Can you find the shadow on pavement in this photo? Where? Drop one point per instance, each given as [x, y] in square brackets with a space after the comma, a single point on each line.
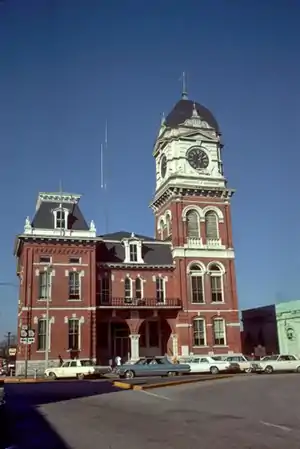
[26, 426]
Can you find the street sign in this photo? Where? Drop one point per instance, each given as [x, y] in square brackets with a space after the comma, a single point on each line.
[27, 336]
[12, 351]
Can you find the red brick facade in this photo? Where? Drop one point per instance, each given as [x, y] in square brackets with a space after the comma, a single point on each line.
[158, 315]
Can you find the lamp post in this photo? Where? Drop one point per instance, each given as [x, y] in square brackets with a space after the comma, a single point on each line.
[48, 298]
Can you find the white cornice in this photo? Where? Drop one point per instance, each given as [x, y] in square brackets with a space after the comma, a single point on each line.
[196, 253]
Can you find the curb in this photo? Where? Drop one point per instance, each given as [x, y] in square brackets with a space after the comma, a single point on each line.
[126, 386]
[14, 380]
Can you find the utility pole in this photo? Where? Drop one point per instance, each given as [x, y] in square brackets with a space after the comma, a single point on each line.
[48, 278]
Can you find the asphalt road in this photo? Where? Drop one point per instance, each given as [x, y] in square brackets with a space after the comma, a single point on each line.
[251, 412]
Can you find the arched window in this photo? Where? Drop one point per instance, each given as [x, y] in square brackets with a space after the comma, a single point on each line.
[128, 290]
[138, 288]
[197, 284]
[193, 224]
[199, 332]
[211, 225]
[168, 225]
[216, 283]
[162, 229]
[219, 332]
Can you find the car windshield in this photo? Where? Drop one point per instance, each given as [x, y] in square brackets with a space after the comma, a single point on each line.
[269, 357]
[141, 362]
[217, 358]
[87, 363]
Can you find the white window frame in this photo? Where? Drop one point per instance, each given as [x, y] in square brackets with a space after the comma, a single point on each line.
[79, 334]
[81, 322]
[80, 275]
[135, 252]
[217, 274]
[49, 275]
[66, 215]
[163, 290]
[197, 319]
[198, 236]
[43, 349]
[142, 287]
[138, 243]
[102, 280]
[196, 274]
[128, 299]
[217, 236]
[220, 320]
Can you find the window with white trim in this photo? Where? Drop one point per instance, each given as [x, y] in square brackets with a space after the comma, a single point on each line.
[219, 332]
[41, 334]
[199, 332]
[162, 229]
[138, 288]
[60, 219]
[73, 334]
[160, 290]
[197, 284]
[45, 259]
[128, 289]
[168, 225]
[193, 224]
[211, 225]
[216, 284]
[104, 290]
[133, 252]
[74, 285]
[44, 285]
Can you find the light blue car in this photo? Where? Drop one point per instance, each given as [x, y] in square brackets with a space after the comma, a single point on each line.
[152, 366]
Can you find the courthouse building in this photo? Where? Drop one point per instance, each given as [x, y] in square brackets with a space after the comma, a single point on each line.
[99, 296]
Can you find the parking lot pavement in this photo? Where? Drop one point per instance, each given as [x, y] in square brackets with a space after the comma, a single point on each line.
[260, 412]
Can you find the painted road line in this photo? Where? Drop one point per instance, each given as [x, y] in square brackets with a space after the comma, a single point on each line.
[277, 426]
[158, 396]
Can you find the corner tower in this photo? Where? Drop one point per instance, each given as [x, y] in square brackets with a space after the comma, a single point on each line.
[192, 210]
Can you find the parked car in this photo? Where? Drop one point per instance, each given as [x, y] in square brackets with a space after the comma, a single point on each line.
[206, 364]
[77, 368]
[244, 363]
[152, 366]
[277, 363]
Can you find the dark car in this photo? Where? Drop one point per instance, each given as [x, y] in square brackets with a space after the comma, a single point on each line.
[152, 366]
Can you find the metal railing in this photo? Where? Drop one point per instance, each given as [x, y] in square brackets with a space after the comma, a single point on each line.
[140, 302]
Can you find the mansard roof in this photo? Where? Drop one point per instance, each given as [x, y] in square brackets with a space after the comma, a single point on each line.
[154, 252]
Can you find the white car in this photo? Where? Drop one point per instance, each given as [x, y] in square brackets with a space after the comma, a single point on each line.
[244, 363]
[276, 363]
[76, 368]
[206, 364]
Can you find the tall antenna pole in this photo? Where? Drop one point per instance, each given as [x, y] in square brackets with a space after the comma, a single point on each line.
[184, 94]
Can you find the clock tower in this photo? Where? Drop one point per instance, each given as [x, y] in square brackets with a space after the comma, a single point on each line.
[192, 211]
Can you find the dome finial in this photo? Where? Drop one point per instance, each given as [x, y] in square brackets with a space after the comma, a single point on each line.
[184, 94]
[195, 112]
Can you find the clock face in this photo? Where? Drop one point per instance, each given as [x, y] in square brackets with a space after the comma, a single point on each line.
[197, 158]
[163, 166]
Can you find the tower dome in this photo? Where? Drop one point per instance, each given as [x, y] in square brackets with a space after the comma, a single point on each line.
[183, 110]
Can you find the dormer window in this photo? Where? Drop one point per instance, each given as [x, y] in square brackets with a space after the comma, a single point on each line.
[133, 252]
[60, 218]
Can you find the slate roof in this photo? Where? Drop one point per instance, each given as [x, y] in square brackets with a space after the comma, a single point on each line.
[183, 110]
[154, 252]
[44, 218]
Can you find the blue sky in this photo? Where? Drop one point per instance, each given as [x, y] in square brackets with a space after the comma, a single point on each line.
[67, 66]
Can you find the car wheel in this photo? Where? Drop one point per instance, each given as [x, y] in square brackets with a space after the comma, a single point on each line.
[80, 376]
[172, 374]
[214, 370]
[269, 369]
[52, 375]
[248, 370]
[298, 369]
[129, 374]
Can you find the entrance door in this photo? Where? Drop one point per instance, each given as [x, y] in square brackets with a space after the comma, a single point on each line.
[120, 340]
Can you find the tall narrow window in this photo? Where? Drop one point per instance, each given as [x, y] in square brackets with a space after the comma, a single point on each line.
[73, 343]
[41, 335]
[133, 255]
[74, 285]
[60, 219]
[128, 290]
[219, 333]
[104, 290]
[160, 290]
[197, 290]
[138, 288]
[44, 285]
[193, 225]
[216, 284]
[168, 225]
[199, 332]
[211, 225]
[162, 229]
